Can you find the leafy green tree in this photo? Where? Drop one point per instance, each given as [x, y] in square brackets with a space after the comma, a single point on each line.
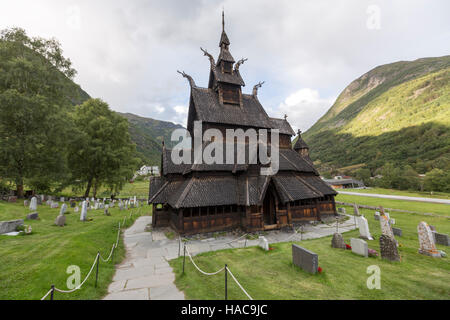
[363, 174]
[437, 180]
[33, 100]
[101, 151]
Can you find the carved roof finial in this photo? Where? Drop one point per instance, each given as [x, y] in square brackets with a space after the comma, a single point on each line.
[285, 117]
[299, 132]
[256, 87]
[239, 63]
[211, 58]
[223, 19]
[185, 75]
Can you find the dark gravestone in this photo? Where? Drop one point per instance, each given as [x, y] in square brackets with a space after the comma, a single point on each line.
[397, 231]
[305, 259]
[33, 216]
[388, 248]
[441, 238]
[338, 241]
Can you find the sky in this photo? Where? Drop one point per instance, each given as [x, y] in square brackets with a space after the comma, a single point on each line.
[127, 52]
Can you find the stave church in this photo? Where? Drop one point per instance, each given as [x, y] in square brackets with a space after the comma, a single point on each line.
[197, 198]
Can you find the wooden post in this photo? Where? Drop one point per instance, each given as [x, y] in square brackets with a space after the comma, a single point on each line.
[226, 282]
[53, 290]
[96, 273]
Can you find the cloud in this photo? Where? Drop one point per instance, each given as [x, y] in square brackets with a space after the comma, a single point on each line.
[128, 53]
[304, 107]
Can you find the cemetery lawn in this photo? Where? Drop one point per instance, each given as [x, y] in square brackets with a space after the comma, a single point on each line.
[271, 275]
[415, 206]
[137, 188]
[393, 192]
[30, 264]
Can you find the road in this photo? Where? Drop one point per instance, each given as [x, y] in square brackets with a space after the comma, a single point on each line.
[386, 196]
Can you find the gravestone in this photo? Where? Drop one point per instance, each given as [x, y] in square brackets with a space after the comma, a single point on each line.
[33, 204]
[397, 232]
[338, 241]
[433, 228]
[120, 205]
[83, 215]
[426, 241]
[364, 228]
[76, 209]
[54, 205]
[441, 238]
[385, 226]
[388, 248]
[12, 199]
[342, 210]
[305, 259]
[33, 216]
[377, 215]
[392, 222]
[106, 210]
[63, 209]
[60, 220]
[73, 204]
[382, 212]
[25, 203]
[62, 199]
[10, 226]
[359, 247]
[263, 243]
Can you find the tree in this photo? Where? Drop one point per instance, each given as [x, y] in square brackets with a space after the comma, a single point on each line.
[436, 180]
[34, 77]
[363, 174]
[101, 151]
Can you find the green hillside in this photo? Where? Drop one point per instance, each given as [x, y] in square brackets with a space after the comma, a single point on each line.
[148, 135]
[399, 113]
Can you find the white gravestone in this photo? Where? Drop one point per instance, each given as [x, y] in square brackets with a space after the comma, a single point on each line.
[426, 241]
[33, 204]
[63, 209]
[359, 247]
[263, 243]
[83, 215]
[75, 209]
[355, 210]
[364, 228]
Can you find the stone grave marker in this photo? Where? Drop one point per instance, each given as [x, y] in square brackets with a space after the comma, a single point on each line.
[356, 210]
[63, 209]
[385, 226]
[10, 226]
[305, 259]
[397, 232]
[33, 216]
[83, 215]
[392, 222]
[359, 247]
[75, 209]
[12, 199]
[426, 241]
[388, 248]
[338, 241]
[107, 210]
[54, 205]
[25, 203]
[33, 204]
[377, 215]
[363, 226]
[263, 243]
[441, 238]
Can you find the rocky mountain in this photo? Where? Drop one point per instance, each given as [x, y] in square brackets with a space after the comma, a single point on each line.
[398, 112]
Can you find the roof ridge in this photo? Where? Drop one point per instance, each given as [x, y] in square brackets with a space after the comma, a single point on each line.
[315, 190]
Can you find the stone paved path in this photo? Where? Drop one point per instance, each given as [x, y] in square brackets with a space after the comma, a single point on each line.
[146, 274]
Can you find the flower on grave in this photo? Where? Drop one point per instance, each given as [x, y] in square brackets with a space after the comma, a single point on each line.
[372, 253]
[319, 270]
[27, 229]
[348, 247]
[271, 248]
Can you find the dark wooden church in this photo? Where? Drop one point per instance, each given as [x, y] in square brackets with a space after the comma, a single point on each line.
[195, 198]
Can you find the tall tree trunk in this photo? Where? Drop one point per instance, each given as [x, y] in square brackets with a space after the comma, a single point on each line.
[94, 191]
[88, 188]
[19, 189]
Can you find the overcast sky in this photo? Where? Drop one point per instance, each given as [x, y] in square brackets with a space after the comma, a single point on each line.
[307, 52]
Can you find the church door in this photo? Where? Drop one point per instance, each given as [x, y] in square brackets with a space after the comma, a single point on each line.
[269, 209]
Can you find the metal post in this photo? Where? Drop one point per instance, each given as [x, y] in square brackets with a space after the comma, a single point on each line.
[53, 290]
[226, 282]
[179, 246]
[96, 273]
[184, 256]
[337, 225]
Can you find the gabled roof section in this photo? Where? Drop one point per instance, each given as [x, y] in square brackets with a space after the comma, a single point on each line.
[283, 126]
[208, 109]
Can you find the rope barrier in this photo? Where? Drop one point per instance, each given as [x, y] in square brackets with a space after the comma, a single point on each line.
[237, 282]
[46, 295]
[203, 272]
[110, 254]
[217, 244]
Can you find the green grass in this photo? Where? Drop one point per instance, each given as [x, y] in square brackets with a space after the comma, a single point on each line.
[271, 275]
[436, 208]
[30, 264]
[393, 192]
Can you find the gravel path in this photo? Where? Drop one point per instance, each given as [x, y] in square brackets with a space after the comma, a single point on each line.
[386, 196]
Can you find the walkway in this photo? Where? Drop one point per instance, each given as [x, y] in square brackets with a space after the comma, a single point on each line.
[145, 273]
[386, 196]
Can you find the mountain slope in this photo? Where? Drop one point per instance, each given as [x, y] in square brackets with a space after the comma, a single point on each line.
[148, 135]
[399, 112]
